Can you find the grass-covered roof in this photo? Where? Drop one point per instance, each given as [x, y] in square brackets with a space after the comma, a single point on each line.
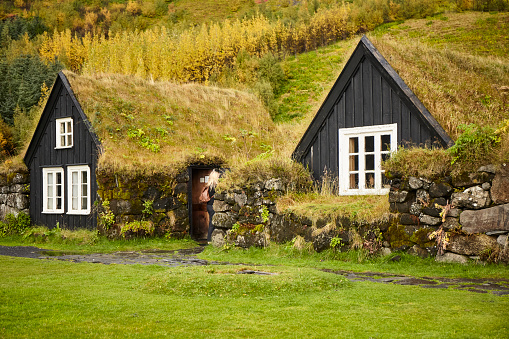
[155, 125]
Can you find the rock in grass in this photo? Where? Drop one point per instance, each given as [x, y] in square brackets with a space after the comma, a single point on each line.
[452, 258]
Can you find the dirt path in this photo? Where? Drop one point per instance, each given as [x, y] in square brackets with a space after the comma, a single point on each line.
[498, 287]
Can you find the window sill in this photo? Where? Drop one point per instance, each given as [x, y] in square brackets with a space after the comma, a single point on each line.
[63, 147]
[78, 212]
[383, 191]
[53, 212]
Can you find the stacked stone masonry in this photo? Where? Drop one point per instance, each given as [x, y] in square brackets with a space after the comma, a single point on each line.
[239, 220]
[14, 193]
[472, 208]
[128, 197]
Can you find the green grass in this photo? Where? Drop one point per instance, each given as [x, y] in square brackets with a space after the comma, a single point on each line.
[97, 244]
[356, 261]
[309, 75]
[53, 299]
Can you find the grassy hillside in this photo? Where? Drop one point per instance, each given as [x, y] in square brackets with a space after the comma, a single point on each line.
[457, 65]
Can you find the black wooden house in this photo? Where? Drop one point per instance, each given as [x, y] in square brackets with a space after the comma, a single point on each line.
[62, 159]
[366, 115]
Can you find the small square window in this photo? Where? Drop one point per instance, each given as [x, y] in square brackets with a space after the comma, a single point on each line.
[64, 133]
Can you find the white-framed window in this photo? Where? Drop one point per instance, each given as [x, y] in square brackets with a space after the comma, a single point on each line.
[78, 190]
[64, 133]
[53, 190]
[361, 152]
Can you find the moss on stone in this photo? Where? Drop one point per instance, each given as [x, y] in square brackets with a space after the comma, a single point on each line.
[182, 197]
[397, 236]
[420, 237]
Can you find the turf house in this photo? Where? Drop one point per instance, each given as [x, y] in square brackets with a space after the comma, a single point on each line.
[116, 150]
[368, 113]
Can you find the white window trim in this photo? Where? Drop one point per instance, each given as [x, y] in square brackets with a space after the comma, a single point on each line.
[79, 169]
[45, 172]
[344, 134]
[58, 134]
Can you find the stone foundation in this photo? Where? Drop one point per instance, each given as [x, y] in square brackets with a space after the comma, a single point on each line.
[249, 217]
[470, 213]
[159, 199]
[473, 209]
[14, 193]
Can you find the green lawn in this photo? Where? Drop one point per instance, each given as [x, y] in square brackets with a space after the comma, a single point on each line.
[55, 299]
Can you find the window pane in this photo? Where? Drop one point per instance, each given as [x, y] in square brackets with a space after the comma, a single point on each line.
[69, 140]
[69, 127]
[386, 143]
[84, 190]
[370, 162]
[354, 163]
[59, 203]
[62, 127]
[386, 156]
[59, 190]
[50, 178]
[370, 180]
[369, 143]
[354, 181]
[354, 145]
[59, 178]
[74, 203]
[50, 191]
[84, 177]
[84, 203]
[50, 203]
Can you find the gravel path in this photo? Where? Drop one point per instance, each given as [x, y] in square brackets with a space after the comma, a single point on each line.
[498, 287]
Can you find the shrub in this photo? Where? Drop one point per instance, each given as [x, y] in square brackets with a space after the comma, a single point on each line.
[474, 147]
[14, 224]
[138, 228]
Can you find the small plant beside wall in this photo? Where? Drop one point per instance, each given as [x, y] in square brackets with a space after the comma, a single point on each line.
[138, 228]
[14, 224]
[106, 218]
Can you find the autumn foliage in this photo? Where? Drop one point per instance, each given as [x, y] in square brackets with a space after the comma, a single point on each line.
[194, 54]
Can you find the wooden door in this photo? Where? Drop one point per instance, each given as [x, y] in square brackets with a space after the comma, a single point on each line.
[200, 216]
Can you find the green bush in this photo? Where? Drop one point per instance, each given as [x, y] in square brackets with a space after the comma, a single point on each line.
[138, 228]
[474, 146]
[14, 224]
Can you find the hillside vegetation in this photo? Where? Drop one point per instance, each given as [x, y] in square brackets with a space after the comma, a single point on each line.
[456, 64]
[286, 53]
[161, 126]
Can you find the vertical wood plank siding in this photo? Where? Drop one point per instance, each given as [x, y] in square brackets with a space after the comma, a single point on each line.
[84, 152]
[368, 99]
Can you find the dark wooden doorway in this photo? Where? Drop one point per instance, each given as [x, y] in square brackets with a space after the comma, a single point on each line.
[199, 214]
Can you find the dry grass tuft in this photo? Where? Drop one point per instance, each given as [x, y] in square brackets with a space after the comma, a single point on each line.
[292, 174]
[367, 208]
[419, 162]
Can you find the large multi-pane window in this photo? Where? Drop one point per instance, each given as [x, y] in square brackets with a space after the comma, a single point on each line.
[78, 178]
[361, 152]
[78, 190]
[53, 190]
[64, 133]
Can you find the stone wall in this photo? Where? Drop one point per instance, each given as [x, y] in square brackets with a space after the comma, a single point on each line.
[249, 217]
[14, 193]
[160, 199]
[470, 213]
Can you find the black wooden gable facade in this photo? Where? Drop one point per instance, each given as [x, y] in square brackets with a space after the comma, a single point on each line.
[367, 93]
[43, 154]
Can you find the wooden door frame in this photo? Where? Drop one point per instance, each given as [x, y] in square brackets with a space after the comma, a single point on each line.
[190, 170]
